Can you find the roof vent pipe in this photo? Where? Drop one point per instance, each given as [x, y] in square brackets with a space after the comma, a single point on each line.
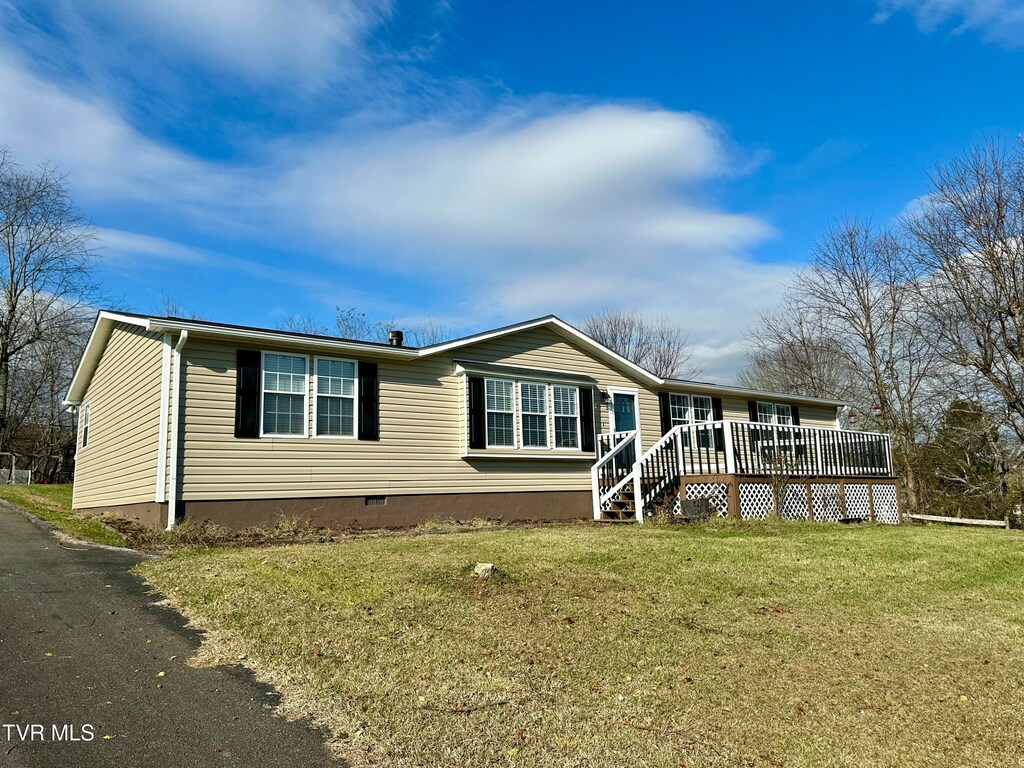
[395, 338]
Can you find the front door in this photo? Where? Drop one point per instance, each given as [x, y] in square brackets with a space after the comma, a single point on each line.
[624, 419]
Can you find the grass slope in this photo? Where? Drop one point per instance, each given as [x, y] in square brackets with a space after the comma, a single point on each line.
[53, 504]
[731, 645]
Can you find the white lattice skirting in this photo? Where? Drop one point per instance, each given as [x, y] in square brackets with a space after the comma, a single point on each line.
[794, 503]
[829, 501]
[757, 501]
[886, 506]
[717, 495]
[826, 501]
[858, 503]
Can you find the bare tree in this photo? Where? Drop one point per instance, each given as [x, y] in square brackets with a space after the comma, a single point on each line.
[659, 345]
[864, 333]
[169, 307]
[47, 279]
[968, 245]
[352, 323]
[790, 352]
[303, 324]
[969, 461]
[39, 429]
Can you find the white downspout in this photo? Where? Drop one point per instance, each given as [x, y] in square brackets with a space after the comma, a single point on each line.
[172, 484]
[165, 418]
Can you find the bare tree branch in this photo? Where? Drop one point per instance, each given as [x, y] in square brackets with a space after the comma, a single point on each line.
[659, 345]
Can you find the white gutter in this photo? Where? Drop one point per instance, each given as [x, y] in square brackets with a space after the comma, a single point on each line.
[257, 336]
[173, 426]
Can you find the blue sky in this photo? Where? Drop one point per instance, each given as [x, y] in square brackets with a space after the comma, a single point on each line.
[482, 163]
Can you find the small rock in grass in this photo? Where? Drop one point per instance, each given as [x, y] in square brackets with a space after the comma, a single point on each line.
[485, 570]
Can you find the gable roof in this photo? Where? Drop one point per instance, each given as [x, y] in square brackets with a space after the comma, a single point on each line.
[560, 327]
[106, 320]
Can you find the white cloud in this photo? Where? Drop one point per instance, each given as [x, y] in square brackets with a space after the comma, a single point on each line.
[298, 43]
[542, 208]
[998, 21]
[105, 156]
[601, 178]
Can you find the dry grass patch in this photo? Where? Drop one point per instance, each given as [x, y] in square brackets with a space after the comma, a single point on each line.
[722, 645]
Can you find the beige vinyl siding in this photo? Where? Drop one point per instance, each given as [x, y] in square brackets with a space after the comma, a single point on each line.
[543, 348]
[817, 416]
[421, 423]
[736, 408]
[119, 464]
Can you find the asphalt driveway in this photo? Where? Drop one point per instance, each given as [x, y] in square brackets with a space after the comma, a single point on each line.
[82, 644]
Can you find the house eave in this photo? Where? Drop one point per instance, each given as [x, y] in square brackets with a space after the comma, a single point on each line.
[682, 385]
[198, 328]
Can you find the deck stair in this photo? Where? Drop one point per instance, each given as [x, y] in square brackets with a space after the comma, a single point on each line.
[621, 508]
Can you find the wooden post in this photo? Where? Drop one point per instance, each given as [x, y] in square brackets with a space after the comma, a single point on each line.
[733, 488]
[843, 510]
[810, 502]
[871, 502]
[899, 503]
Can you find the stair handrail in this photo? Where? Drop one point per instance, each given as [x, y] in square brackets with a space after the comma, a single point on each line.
[672, 437]
[615, 438]
[602, 496]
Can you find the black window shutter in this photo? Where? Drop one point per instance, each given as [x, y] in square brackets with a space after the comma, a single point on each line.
[586, 419]
[752, 409]
[477, 414]
[369, 402]
[247, 393]
[717, 414]
[795, 410]
[665, 405]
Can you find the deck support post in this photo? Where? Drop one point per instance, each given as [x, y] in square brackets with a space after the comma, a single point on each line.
[733, 488]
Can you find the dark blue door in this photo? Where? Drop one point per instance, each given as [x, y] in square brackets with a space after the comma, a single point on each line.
[624, 415]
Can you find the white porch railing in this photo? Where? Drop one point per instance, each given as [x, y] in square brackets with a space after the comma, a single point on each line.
[732, 447]
[615, 469]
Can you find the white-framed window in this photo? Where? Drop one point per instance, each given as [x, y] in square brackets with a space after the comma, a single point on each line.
[565, 407]
[500, 409]
[532, 415]
[533, 405]
[85, 424]
[774, 413]
[335, 389]
[285, 411]
[703, 410]
[679, 407]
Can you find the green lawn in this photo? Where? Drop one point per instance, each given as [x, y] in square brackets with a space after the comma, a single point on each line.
[728, 645]
[53, 504]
